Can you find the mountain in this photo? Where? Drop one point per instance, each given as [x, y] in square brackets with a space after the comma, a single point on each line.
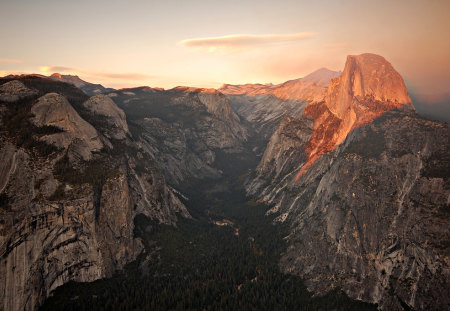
[367, 88]
[321, 76]
[189, 131]
[264, 105]
[308, 88]
[72, 181]
[89, 88]
[361, 181]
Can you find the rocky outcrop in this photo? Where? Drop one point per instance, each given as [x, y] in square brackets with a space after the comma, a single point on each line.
[54, 110]
[369, 213]
[63, 220]
[116, 123]
[14, 90]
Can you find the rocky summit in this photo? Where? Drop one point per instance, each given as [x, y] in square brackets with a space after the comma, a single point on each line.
[367, 88]
[362, 182]
[326, 192]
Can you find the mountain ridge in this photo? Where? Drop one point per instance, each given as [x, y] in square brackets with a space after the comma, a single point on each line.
[310, 88]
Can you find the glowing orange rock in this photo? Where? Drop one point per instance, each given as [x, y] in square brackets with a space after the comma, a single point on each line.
[367, 88]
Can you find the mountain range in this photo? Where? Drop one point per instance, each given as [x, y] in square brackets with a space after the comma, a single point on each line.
[354, 178]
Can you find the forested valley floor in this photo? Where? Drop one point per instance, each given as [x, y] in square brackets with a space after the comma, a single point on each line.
[224, 258]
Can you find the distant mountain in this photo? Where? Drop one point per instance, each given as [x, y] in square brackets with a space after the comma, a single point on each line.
[321, 76]
[264, 105]
[310, 88]
[89, 88]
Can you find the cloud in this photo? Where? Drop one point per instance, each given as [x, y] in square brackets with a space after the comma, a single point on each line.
[47, 69]
[81, 72]
[11, 61]
[243, 41]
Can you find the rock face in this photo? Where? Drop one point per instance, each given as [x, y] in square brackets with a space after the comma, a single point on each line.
[368, 87]
[53, 109]
[265, 112]
[14, 90]
[368, 84]
[63, 219]
[116, 123]
[184, 128]
[369, 210]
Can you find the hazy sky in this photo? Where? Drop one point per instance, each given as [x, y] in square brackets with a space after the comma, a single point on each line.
[208, 43]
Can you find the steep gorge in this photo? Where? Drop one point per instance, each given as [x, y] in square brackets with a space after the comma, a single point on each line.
[354, 180]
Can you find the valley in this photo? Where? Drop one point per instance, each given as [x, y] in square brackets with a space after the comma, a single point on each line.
[225, 257]
[327, 192]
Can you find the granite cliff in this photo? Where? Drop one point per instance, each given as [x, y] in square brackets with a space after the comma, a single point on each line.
[71, 183]
[362, 182]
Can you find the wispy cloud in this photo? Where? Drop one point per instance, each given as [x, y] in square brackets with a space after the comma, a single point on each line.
[243, 41]
[11, 61]
[105, 75]
[60, 69]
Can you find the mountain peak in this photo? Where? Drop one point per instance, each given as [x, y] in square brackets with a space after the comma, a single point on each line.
[321, 76]
[367, 88]
[367, 78]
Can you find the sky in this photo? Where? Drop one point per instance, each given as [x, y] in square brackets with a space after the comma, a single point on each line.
[207, 43]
